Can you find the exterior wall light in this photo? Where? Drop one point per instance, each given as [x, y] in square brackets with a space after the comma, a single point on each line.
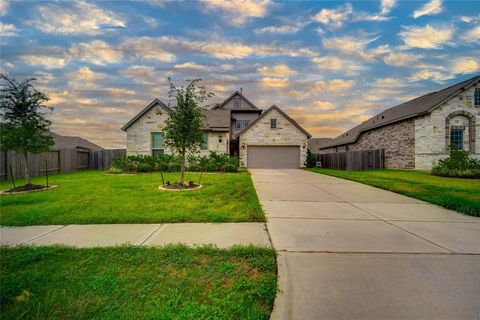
[243, 145]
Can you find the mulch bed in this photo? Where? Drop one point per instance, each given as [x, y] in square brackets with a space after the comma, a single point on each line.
[178, 187]
[27, 187]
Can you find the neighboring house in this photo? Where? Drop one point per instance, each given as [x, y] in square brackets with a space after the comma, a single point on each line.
[417, 133]
[72, 142]
[236, 127]
[314, 144]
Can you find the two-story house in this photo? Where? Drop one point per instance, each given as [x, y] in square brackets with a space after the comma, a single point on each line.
[268, 139]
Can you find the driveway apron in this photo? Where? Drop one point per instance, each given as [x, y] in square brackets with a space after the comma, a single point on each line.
[351, 251]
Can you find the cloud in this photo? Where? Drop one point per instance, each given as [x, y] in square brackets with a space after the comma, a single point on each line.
[191, 66]
[8, 30]
[164, 48]
[465, 65]
[119, 92]
[334, 85]
[238, 12]
[427, 37]
[401, 59]
[48, 62]
[355, 46]
[388, 83]
[85, 74]
[472, 35]
[80, 18]
[283, 29]
[274, 82]
[138, 71]
[334, 18]
[429, 75]
[324, 105]
[279, 70]
[428, 9]
[96, 52]
[336, 64]
[4, 4]
[386, 6]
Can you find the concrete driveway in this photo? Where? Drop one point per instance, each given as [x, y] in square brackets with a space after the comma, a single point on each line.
[351, 251]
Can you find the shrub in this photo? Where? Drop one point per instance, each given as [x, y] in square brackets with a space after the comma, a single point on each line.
[114, 170]
[311, 160]
[170, 163]
[457, 164]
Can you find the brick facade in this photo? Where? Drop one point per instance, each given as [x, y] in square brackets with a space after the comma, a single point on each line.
[397, 139]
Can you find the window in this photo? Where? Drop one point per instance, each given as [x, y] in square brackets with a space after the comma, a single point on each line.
[238, 125]
[246, 123]
[456, 138]
[477, 97]
[158, 143]
[237, 102]
[204, 145]
[273, 123]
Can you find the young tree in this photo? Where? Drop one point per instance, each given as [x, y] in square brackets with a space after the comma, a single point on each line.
[311, 160]
[23, 126]
[183, 128]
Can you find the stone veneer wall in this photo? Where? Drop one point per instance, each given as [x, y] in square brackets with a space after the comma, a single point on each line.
[431, 131]
[286, 133]
[139, 138]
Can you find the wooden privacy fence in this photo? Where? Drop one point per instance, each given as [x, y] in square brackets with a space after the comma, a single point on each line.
[61, 160]
[353, 160]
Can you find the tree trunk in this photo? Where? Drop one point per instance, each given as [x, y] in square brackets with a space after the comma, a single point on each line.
[182, 170]
[27, 171]
[161, 174]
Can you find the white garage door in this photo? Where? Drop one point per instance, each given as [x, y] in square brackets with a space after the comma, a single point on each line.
[273, 157]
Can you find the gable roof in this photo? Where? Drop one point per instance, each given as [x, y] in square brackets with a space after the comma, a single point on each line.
[317, 143]
[274, 107]
[152, 104]
[61, 142]
[237, 93]
[416, 107]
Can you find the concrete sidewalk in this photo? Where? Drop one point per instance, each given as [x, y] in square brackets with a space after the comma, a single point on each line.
[223, 235]
[351, 251]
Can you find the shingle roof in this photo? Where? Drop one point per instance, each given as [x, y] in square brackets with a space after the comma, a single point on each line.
[274, 107]
[418, 106]
[218, 120]
[72, 142]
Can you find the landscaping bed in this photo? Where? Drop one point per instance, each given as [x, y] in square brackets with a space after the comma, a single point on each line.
[452, 193]
[90, 197]
[173, 282]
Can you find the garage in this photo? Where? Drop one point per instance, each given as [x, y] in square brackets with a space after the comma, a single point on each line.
[273, 157]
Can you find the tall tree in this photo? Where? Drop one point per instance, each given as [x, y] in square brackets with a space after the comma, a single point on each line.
[183, 128]
[23, 126]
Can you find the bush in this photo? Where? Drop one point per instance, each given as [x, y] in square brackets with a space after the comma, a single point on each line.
[458, 164]
[114, 170]
[170, 163]
[311, 161]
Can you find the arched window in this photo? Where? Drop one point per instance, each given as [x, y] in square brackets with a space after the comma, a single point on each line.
[460, 130]
[477, 97]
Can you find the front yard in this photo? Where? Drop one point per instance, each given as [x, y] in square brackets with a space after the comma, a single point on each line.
[462, 195]
[91, 197]
[173, 282]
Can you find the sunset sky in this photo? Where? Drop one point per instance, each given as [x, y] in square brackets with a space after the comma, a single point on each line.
[329, 64]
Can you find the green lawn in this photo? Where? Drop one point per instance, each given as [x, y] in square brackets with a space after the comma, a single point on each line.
[173, 282]
[462, 195]
[94, 197]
